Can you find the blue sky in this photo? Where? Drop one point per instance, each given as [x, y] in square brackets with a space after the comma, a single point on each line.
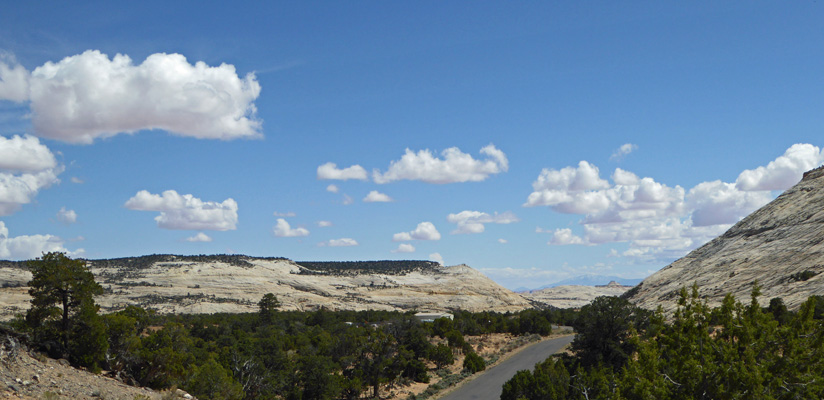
[533, 141]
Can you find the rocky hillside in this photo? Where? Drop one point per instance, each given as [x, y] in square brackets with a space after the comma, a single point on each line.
[574, 296]
[209, 284]
[781, 246]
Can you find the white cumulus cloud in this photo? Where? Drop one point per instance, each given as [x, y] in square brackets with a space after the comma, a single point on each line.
[342, 242]
[25, 154]
[404, 248]
[473, 221]
[783, 172]
[436, 257]
[331, 171]
[89, 96]
[200, 237]
[717, 202]
[66, 216]
[455, 166]
[283, 229]
[26, 167]
[659, 221]
[27, 247]
[424, 231]
[186, 212]
[377, 197]
[332, 189]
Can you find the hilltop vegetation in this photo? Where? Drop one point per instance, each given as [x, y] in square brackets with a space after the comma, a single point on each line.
[386, 267]
[142, 262]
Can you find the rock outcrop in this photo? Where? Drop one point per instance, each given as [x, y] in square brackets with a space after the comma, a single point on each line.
[209, 284]
[574, 296]
[781, 246]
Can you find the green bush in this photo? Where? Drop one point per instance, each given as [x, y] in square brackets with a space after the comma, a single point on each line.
[474, 363]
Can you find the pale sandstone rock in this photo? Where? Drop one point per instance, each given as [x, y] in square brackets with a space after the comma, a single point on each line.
[212, 285]
[783, 238]
[573, 296]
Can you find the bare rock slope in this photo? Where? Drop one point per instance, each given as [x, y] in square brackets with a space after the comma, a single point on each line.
[780, 245]
[574, 296]
[209, 284]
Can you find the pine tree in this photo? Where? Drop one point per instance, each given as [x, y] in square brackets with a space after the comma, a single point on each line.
[63, 314]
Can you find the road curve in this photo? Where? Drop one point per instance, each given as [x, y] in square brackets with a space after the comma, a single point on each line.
[489, 384]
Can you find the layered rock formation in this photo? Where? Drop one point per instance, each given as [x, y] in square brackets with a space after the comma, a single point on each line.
[780, 245]
[574, 296]
[209, 284]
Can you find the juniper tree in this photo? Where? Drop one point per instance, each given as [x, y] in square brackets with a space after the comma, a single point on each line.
[63, 316]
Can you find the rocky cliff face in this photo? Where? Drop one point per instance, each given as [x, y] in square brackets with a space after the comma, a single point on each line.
[780, 245]
[574, 296]
[209, 284]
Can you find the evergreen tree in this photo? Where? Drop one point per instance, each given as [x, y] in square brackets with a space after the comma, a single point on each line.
[63, 315]
[268, 305]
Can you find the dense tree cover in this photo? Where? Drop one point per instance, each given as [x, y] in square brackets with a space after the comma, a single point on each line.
[264, 355]
[735, 351]
[387, 267]
[142, 262]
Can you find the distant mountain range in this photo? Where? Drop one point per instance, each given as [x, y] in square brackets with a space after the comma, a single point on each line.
[586, 280]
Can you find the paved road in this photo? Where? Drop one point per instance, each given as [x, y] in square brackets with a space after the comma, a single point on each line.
[489, 384]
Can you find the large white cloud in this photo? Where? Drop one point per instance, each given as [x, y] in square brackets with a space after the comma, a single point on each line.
[283, 229]
[784, 171]
[659, 221]
[25, 154]
[186, 211]
[28, 247]
[585, 177]
[26, 166]
[331, 171]
[424, 231]
[716, 202]
[473, 221]
[455, 166]
[89, 96]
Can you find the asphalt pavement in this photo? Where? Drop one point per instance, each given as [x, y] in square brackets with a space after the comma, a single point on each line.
[489, 384]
